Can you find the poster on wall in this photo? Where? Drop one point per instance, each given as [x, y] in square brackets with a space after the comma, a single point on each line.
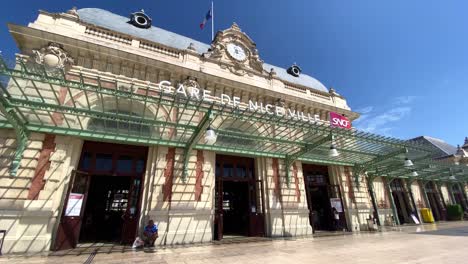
[336, 202]
[415, 219]
[75, 201]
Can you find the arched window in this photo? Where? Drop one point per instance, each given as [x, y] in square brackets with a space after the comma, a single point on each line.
[119, 127]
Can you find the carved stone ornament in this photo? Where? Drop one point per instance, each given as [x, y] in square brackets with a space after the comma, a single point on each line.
[73, 12]
[191, 47]
[235, 51]
[53, 56]
[191, 82]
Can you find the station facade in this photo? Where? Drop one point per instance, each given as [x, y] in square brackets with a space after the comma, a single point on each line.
[108, 121]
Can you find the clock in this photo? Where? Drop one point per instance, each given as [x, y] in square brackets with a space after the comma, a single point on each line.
[236, 52]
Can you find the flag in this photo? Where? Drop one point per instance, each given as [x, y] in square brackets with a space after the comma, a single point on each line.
[208, 16]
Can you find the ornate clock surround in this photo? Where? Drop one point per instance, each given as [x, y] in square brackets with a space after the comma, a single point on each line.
[251, 64]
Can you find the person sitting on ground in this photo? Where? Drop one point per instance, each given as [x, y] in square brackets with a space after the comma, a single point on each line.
[150, 233]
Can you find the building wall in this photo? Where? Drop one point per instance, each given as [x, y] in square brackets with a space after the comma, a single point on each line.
[31, 202]
[356, 198]
[445, 194]
[287, 213]
[383, 202]
[183, 214]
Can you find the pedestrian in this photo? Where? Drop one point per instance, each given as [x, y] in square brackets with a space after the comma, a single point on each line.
[150, 233]
[336, 216]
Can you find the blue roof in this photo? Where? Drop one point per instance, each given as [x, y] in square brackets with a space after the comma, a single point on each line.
[106, 19]
[443, 147]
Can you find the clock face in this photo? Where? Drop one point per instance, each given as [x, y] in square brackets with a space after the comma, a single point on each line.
[236, 51]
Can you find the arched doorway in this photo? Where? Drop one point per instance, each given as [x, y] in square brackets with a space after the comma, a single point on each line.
[322, 197]
[458, 195]
[402, 204]
[435, 201]
[239, 205]
[104, 198]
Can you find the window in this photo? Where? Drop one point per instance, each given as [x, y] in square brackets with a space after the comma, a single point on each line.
[124, 164]
[103, 162]
[86, 161]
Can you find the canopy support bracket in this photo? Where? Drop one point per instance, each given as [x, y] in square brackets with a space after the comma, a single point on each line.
[307, 148]
[359, 168]
[197, 134]
[20, 131]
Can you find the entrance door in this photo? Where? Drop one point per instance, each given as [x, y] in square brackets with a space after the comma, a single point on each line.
[320, 196]
[238, 207]
[69, 227]
[458, 195]
[435, 201]
[400, 197]
[110, 193]
[105, 207]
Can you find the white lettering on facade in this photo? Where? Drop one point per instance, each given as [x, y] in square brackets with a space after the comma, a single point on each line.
[195, 93]
[181, 90]
[235, 101]
[206, 93]
[225, 99]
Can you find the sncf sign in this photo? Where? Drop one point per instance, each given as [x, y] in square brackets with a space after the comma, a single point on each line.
[337, 120]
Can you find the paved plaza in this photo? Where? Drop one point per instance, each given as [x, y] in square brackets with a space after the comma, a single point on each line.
[443, 243]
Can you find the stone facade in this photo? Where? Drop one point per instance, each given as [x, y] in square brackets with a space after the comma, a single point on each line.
[31, 203]
[31, 220]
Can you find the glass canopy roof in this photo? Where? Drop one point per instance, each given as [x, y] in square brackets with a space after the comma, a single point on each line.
[107, 108]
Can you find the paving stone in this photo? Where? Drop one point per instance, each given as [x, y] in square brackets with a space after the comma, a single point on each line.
[441, 243]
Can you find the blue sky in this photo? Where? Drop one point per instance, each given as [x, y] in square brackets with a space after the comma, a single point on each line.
[402, 64]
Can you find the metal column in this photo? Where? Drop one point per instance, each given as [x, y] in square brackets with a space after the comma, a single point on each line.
[410, 191]
[395, 212]
[452, 196]
[370, 187]
[426, 198]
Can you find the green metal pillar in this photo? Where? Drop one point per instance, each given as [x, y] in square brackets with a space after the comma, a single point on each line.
[413, 202]
[452, 196]
[370, 188]
[462, 189]
[307, 148]
[426, 198]
[441, 195]
[197, 134]
[392, 201]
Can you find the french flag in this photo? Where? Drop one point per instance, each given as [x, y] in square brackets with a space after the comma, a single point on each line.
[208, 16]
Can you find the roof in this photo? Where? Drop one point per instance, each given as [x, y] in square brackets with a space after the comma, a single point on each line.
[444, 147]
[106, 19]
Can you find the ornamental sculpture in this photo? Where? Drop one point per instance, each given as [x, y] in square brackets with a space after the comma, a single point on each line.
[53, 56]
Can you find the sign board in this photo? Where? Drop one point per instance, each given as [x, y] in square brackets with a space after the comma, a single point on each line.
[415, 219]
[337, 120]
[336, 202]
[75, 201]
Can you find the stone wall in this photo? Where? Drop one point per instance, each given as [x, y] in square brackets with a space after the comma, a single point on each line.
[31, 202]
[183, 211]
[356, 199]
[445, 194]
[383, 202]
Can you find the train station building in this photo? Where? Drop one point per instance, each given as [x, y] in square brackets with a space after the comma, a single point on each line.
[107, 121]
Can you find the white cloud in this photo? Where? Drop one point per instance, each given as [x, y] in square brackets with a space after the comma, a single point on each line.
[382, 122]
[401, 100]
[365, 110]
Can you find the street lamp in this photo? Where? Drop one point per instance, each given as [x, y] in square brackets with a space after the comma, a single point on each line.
[210, 136]
[414, 174]
[333, 152]
[408, 162]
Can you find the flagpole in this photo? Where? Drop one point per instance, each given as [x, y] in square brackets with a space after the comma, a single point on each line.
[212, 22]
